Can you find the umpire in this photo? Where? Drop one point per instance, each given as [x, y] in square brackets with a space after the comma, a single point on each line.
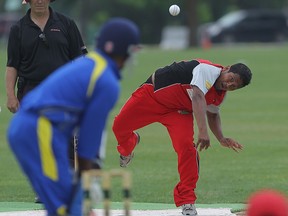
[39, 43]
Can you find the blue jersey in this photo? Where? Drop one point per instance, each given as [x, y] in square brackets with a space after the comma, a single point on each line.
[78, 95]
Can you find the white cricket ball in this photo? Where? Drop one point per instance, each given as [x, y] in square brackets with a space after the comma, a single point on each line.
[174, 10]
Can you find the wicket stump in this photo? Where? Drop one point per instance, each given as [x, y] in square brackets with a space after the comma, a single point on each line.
[106, 186]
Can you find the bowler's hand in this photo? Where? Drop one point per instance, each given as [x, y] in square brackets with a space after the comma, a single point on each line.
[203, 142]
[230, 143]
[12, 104]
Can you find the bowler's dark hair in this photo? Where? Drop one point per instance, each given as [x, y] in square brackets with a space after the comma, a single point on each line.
[243, 71]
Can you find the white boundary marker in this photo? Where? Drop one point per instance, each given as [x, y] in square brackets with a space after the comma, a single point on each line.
[170, 212]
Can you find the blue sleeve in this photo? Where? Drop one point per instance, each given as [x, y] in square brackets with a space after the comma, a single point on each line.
[95, 116]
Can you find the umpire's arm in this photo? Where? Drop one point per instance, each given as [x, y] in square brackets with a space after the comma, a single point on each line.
[12, 101]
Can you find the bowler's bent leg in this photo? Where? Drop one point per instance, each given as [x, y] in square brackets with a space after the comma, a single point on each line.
[140, 110]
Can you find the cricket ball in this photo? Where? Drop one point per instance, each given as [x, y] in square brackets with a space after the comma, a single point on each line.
[174, 10]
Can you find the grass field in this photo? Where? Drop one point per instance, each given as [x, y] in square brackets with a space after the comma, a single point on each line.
[256, 116]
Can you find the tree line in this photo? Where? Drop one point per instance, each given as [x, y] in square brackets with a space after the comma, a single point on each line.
[152, 16]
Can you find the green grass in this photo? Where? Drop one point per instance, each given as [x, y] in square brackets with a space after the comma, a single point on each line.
[256, 116]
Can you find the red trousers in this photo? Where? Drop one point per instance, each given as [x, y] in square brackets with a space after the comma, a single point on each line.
[142, 109]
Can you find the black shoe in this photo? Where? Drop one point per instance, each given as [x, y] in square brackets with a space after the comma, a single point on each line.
[37, 200]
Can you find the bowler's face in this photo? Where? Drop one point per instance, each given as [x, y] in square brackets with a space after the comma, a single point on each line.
[228, 81]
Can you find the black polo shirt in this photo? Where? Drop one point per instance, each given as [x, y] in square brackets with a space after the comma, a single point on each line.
[35, 54]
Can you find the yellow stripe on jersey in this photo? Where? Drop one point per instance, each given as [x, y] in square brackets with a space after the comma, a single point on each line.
[100, 65]
[44, 132]
[208, 85]
[62, 210]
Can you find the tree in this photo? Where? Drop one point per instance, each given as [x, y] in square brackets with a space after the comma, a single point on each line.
[192, 20]
[152, 16]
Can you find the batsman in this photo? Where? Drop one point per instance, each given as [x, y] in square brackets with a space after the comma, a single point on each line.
[78, 96]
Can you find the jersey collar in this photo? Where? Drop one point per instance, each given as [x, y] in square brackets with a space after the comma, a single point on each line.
[111, 63]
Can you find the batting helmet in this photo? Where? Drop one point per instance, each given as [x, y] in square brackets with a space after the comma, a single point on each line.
[118, 37]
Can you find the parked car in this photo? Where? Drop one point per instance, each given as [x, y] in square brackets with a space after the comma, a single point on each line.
[247, 26]
[174, 37]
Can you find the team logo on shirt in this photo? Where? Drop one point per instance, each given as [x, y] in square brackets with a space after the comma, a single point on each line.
[208, 85]
[55, 30]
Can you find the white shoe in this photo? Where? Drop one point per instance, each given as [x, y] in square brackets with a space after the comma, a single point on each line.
[125, 160]
[189, 209]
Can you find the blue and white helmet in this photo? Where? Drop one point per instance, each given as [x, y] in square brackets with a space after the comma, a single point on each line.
[118, 37]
